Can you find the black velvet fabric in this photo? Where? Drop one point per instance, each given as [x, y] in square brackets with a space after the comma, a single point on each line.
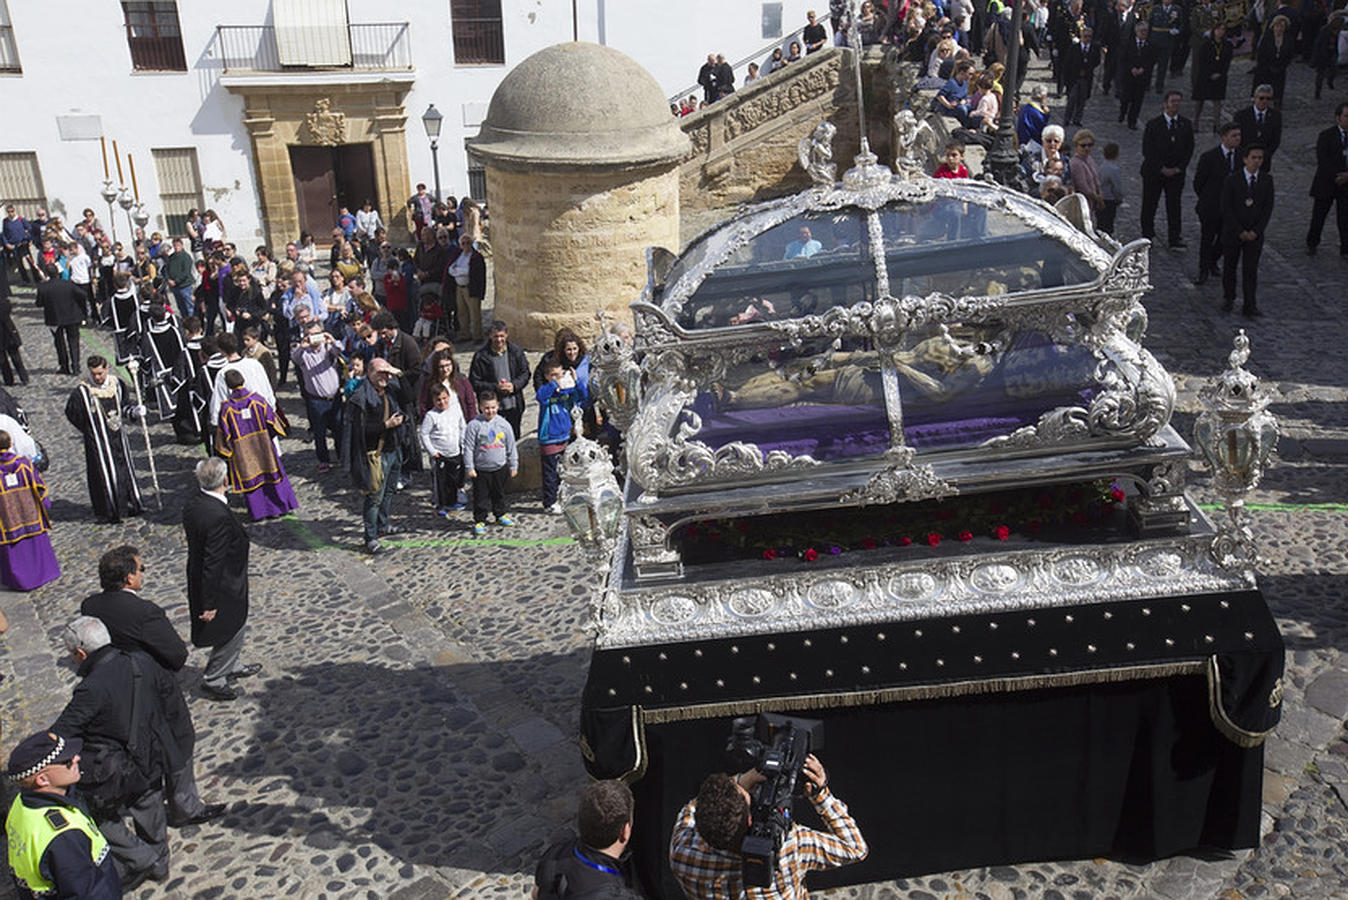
[1132, 768]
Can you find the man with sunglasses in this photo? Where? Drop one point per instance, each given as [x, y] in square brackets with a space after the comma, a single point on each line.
[55, 848]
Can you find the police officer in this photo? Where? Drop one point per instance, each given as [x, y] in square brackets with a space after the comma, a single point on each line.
[595, 866]
[55, 849]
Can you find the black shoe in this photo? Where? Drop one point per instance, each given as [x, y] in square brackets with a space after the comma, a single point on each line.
[224, 693]
[1202, 277]
[1310, 249]
[208, 812]
[1228, 305]
[247, 671]
[390, 529]
[1178, 245]
[1132, 126]
[1251, 313]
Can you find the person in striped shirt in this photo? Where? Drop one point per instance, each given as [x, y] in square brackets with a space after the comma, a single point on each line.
[704, 851]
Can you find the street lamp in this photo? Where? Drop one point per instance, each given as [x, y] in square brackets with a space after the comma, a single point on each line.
[1002, 161]
[432, 119]
[126, 201]
[590, 496]
[109, 194]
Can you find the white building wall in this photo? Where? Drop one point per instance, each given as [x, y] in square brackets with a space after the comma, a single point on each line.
[76, 62]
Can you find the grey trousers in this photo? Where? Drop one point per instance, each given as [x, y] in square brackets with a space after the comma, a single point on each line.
[184, 801]
[224, 660]
[146, 847]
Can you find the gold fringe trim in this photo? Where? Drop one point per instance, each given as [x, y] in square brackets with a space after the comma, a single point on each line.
[917, 692]
[1230, 730]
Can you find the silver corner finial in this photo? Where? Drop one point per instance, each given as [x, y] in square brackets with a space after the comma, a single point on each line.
[911, 136]
[1235, 434]
[816, 154]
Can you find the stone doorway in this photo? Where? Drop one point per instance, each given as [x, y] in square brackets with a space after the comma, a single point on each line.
[328, 178]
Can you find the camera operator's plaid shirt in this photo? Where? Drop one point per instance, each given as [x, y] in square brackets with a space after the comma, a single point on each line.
[706, 873]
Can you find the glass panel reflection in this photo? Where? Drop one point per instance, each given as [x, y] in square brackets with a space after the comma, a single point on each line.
[818, 399]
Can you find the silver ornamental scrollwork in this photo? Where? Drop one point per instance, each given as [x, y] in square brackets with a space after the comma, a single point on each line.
[1023, 580]
[649, 541]
[658, 460]
[900, 481]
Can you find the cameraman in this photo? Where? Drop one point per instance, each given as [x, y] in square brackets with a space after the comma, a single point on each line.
[595, 866]
[704, 852]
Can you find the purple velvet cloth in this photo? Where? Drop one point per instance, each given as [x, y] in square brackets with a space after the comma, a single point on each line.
[823, 432]
[29, 563]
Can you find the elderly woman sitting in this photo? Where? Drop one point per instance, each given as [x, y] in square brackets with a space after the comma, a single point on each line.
[1047, 158]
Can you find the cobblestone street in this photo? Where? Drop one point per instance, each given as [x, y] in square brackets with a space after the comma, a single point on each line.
[413, 732]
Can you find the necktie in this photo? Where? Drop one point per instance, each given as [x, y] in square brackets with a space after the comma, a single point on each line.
[1172, 126]
[1252, 180]
[1259, 117]
[1230, 161]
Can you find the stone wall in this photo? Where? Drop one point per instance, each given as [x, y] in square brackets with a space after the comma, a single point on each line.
[744, 146]
[577, 243]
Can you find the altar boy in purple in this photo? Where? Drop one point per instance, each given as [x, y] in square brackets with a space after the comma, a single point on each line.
[27, 560]
[244, 437]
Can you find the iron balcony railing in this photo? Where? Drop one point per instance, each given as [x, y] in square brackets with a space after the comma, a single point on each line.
[155, 48]
[762, 56]
[375, 47]
[478, 41]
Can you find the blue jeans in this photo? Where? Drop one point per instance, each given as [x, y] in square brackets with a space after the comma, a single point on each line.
[376, 508]
[324, 416]
[183, 294]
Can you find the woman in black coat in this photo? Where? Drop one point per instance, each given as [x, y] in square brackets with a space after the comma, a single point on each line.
[10, 341]
[1276, 49]
[1211, 65]
[1325, 54]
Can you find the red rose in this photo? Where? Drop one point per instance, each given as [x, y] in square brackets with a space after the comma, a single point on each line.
[966, 536]
[1002, 532]
[769, 554]
[1116, 495]
[810, 554]
[933, 539]
[1079, 518]
[867, 543]
[905, 541]
[1033, 526]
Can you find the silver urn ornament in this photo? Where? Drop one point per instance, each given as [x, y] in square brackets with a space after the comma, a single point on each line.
[591, 497]
[1235, 433]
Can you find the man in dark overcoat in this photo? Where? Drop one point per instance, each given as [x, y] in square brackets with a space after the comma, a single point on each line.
[135, 623]
[217, 581]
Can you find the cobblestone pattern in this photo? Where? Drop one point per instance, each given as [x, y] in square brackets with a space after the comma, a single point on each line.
[413, 734]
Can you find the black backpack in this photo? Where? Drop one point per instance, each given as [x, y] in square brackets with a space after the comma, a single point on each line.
[561, 875]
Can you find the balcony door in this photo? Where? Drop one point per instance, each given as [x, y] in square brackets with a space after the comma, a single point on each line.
[328, 178]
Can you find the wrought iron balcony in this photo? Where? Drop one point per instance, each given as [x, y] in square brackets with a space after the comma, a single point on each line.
[375, 47]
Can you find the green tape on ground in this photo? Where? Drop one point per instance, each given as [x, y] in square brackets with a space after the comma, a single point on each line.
[1284, 507]
[481, 541]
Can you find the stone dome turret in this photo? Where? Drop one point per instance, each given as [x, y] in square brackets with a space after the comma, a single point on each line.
[579, 104]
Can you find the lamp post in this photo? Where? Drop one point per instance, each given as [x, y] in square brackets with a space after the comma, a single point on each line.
[590, 496]
[432, 119]
[1235, 434]
[1002, 161]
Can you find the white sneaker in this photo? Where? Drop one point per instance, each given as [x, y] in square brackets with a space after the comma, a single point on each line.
[555, 509]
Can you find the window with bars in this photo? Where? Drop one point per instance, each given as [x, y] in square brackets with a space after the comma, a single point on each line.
[153, 35]
[179, 186]
[9, 50]
[477, 181]
[478, 35]
[21, 183]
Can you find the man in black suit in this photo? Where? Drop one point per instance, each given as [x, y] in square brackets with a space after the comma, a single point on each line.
[217, 581]
[1209, 177]
[1136, 58]
[1079, 62]
[1247, 205]
[1167, 147]
[1329, 186]
[135, 623]
[1261, 124]
[1114, 26]
[62, 311]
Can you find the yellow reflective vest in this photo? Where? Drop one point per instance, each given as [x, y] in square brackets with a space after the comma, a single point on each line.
[32, 830]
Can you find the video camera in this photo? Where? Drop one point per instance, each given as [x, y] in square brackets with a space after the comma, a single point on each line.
[776, 746]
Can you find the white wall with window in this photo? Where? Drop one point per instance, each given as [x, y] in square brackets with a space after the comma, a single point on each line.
[149, 76]
[21, 182]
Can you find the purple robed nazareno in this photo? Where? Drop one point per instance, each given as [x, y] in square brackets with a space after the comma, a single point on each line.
[244, 437]
[27, 559]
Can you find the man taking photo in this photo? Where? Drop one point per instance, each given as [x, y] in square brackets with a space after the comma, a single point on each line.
[704, 851]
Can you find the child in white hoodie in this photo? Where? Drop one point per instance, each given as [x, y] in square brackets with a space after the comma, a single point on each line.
[442, 437]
